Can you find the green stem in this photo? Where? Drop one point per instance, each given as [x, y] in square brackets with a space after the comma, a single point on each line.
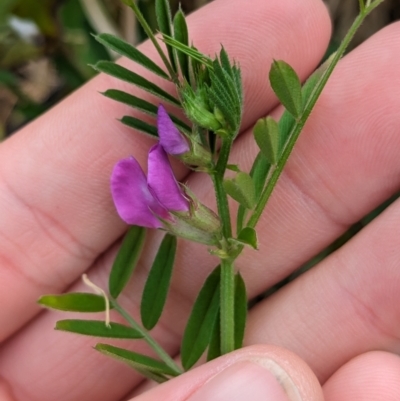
[227, 307]
[372, 6]
[221, 196]
[146, 27]
[227, 269]
[147, 337]
[298, 127]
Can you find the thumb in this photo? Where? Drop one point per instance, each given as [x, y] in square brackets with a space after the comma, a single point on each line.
[256, 373]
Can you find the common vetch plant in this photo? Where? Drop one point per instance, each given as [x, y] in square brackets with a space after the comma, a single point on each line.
[210, 94]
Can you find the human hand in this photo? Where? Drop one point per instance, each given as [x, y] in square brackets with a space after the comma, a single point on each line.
[58, 221]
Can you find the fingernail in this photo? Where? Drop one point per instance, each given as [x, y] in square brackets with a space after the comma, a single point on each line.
[249, 381]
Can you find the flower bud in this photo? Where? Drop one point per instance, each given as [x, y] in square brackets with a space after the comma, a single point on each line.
[197, 109]
[199, 224]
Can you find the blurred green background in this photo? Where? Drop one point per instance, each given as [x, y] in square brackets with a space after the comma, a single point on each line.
[46, 45]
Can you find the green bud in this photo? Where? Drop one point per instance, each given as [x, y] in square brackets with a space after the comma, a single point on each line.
[200, 224]
[197, 109]
[182, 228]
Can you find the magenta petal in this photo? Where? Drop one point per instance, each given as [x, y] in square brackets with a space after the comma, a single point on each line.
[171, 139]
[132, 198]
[162, 182]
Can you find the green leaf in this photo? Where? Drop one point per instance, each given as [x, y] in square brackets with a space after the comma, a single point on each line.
[225, 93]
[248, 236]
[214, 349]
[164, 21]
[286, 85]
[135, 360]
[240, 310]
[117, 71]
[97, 328]
[126, 260]
[285, 126]
[142, 105]
[125, 49]
[233, 167]
[259, 172]
[74, 302]
[140, 125]
[197, 334]
[287, 121]
[181, 34]
[266, 134]
[157, 377]
[192, 52]
[242, 189]
[158, 281]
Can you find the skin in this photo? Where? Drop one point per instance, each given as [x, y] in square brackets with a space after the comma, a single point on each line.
[341, 318]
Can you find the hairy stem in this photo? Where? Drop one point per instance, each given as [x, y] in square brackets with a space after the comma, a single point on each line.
[227, 306]
[221, 196]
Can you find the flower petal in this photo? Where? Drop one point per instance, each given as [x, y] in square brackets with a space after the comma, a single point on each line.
[132, 198]
[162, 182]
[171, 139]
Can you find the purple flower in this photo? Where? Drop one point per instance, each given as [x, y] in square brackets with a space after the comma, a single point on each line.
[143, 201]
[170, 138]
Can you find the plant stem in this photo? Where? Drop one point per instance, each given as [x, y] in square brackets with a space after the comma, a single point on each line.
[218, 179]
[146, 27]
[227, 306]
[147, 337]
[227, 270]
[298, 127]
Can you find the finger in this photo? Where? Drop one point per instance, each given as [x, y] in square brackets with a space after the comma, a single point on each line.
[55, 206]
[256, 373]
[369, 377]
[346, 306]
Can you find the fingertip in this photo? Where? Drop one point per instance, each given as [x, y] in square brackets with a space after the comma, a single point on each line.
[371, 376]
[258, 372]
